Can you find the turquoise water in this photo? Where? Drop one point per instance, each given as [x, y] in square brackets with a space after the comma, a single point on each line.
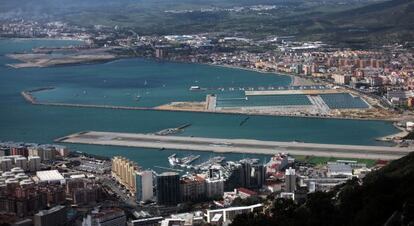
[20, 121]
[157, 83]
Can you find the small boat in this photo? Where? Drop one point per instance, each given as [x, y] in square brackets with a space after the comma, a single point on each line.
[195, 88]
[137, 98]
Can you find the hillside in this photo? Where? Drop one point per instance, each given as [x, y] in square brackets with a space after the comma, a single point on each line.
[349, 23]
[385, 22]
[385, 197]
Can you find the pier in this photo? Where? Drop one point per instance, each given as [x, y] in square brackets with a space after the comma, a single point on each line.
[235, 145]
[170, 131]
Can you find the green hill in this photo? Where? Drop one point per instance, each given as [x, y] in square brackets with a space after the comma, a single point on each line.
[385, 22]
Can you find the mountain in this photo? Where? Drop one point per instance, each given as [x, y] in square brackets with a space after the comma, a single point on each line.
[358, 23]
[383, 197]
[384, 22]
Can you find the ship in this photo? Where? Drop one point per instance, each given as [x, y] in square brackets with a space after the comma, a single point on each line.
[172, 160]
[182, 162]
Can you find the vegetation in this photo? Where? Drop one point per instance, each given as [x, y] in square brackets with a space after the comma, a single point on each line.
[323, 160]
[349, 22]
[384, 197]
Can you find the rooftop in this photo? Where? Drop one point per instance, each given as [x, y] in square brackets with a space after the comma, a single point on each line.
[49, 175]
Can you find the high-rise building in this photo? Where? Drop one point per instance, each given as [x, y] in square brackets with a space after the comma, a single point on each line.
[61, 150]
[21, 162]
[19, 150]
[87, 195]
[124, 172]
[55, 216]
[168, 188]
[34, 163]
[138, 182]
[45, 153]
[192, 188]
[144, 185]
[214, 187]
[5, 164]
[290, 180]
[252, 175]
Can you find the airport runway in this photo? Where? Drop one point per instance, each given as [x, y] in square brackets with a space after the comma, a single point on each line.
[234, 145]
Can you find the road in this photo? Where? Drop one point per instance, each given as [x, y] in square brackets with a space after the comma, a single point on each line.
[235, 145]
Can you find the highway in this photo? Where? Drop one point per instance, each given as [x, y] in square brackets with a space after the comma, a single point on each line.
[234, 145]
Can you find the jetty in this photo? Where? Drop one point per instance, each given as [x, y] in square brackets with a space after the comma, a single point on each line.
[246, 146]
[170, 131]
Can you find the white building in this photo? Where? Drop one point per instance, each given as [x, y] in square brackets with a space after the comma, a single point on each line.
[50, 176]
[144, 185]
[410, 126]
[225, 216]
[290, 180]
[341, 79]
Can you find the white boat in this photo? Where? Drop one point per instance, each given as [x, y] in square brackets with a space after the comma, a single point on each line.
[194, 88]
[172, 160]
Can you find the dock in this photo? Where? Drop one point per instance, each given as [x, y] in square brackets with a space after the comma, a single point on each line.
[245, 146]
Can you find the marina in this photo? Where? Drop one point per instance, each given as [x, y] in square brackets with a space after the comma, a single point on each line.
[182, 162]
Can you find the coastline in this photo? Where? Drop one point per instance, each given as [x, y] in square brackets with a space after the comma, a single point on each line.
[292, 77]
[292, 81]
[48, 39]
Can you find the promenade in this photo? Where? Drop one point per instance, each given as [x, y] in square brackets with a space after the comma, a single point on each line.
[234, 145]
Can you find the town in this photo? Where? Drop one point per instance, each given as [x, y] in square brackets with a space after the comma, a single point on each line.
[52, 185]
[160, 113]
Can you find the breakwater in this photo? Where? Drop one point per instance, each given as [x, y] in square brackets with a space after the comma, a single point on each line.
[29, 97]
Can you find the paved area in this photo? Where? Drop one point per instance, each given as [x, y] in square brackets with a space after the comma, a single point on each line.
[234, 145]
[294, 91]
[319, 104]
